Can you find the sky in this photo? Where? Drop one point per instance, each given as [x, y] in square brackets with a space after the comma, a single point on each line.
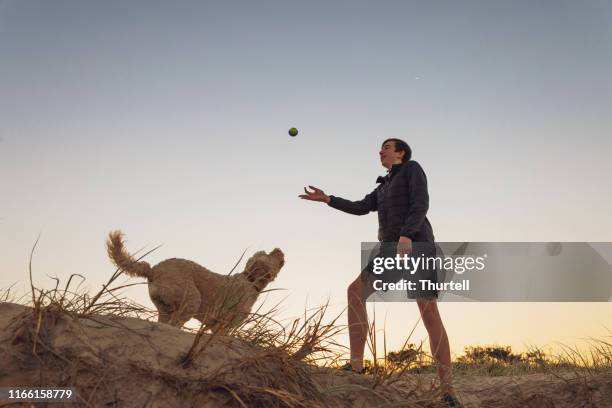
[168, 120]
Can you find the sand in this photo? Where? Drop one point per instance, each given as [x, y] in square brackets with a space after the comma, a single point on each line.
[127, 362]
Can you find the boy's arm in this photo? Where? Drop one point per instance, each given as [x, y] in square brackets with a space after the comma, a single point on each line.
[361, 207]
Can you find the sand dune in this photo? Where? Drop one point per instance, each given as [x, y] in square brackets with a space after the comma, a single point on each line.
[127, 362]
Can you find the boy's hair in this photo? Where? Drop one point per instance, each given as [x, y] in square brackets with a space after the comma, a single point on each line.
[401, 146]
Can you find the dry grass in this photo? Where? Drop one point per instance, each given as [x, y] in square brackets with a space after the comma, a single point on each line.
[596, 360]
[73, 299]
[308, 339]
[296, 348]
[288, 347]
[583, 366]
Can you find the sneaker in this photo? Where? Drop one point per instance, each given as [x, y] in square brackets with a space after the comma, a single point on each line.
[451, 401]
[349, 367]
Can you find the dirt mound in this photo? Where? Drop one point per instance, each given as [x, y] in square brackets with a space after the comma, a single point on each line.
[117, 361]
[128, 362]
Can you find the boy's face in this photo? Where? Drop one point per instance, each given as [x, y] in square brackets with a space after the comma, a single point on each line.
[388, 155]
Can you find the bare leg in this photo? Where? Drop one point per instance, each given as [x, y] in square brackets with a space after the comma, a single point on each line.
[357, 321]
[438, 341]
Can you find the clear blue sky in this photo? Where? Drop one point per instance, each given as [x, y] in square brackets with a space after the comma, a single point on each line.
[169, 121]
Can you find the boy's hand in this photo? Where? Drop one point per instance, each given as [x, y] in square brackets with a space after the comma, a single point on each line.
[404, 246]
[315, 195]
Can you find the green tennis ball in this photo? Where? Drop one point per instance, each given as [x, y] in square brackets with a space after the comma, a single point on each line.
[293, 132]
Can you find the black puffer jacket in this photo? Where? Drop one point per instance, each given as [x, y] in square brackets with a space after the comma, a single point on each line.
[401, 200]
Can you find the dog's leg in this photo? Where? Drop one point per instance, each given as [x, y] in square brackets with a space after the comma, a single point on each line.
[164, 311]
[187, 307]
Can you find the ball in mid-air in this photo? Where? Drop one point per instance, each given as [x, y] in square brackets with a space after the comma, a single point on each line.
[293, 132]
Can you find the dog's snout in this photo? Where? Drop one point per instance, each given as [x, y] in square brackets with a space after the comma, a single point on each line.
[277, 253]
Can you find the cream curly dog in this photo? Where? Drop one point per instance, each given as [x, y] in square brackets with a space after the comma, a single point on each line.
[182, 289]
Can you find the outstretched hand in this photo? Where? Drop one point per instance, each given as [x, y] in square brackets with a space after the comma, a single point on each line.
[315, 195]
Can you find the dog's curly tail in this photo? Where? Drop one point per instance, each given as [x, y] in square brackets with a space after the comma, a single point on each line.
[123, 260]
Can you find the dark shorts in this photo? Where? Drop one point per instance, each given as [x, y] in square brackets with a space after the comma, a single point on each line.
[395, 275]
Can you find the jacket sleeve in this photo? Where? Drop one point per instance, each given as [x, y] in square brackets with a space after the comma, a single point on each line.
[418, 200]
[362, 207]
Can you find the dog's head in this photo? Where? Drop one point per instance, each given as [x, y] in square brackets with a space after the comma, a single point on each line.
[263, 268]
